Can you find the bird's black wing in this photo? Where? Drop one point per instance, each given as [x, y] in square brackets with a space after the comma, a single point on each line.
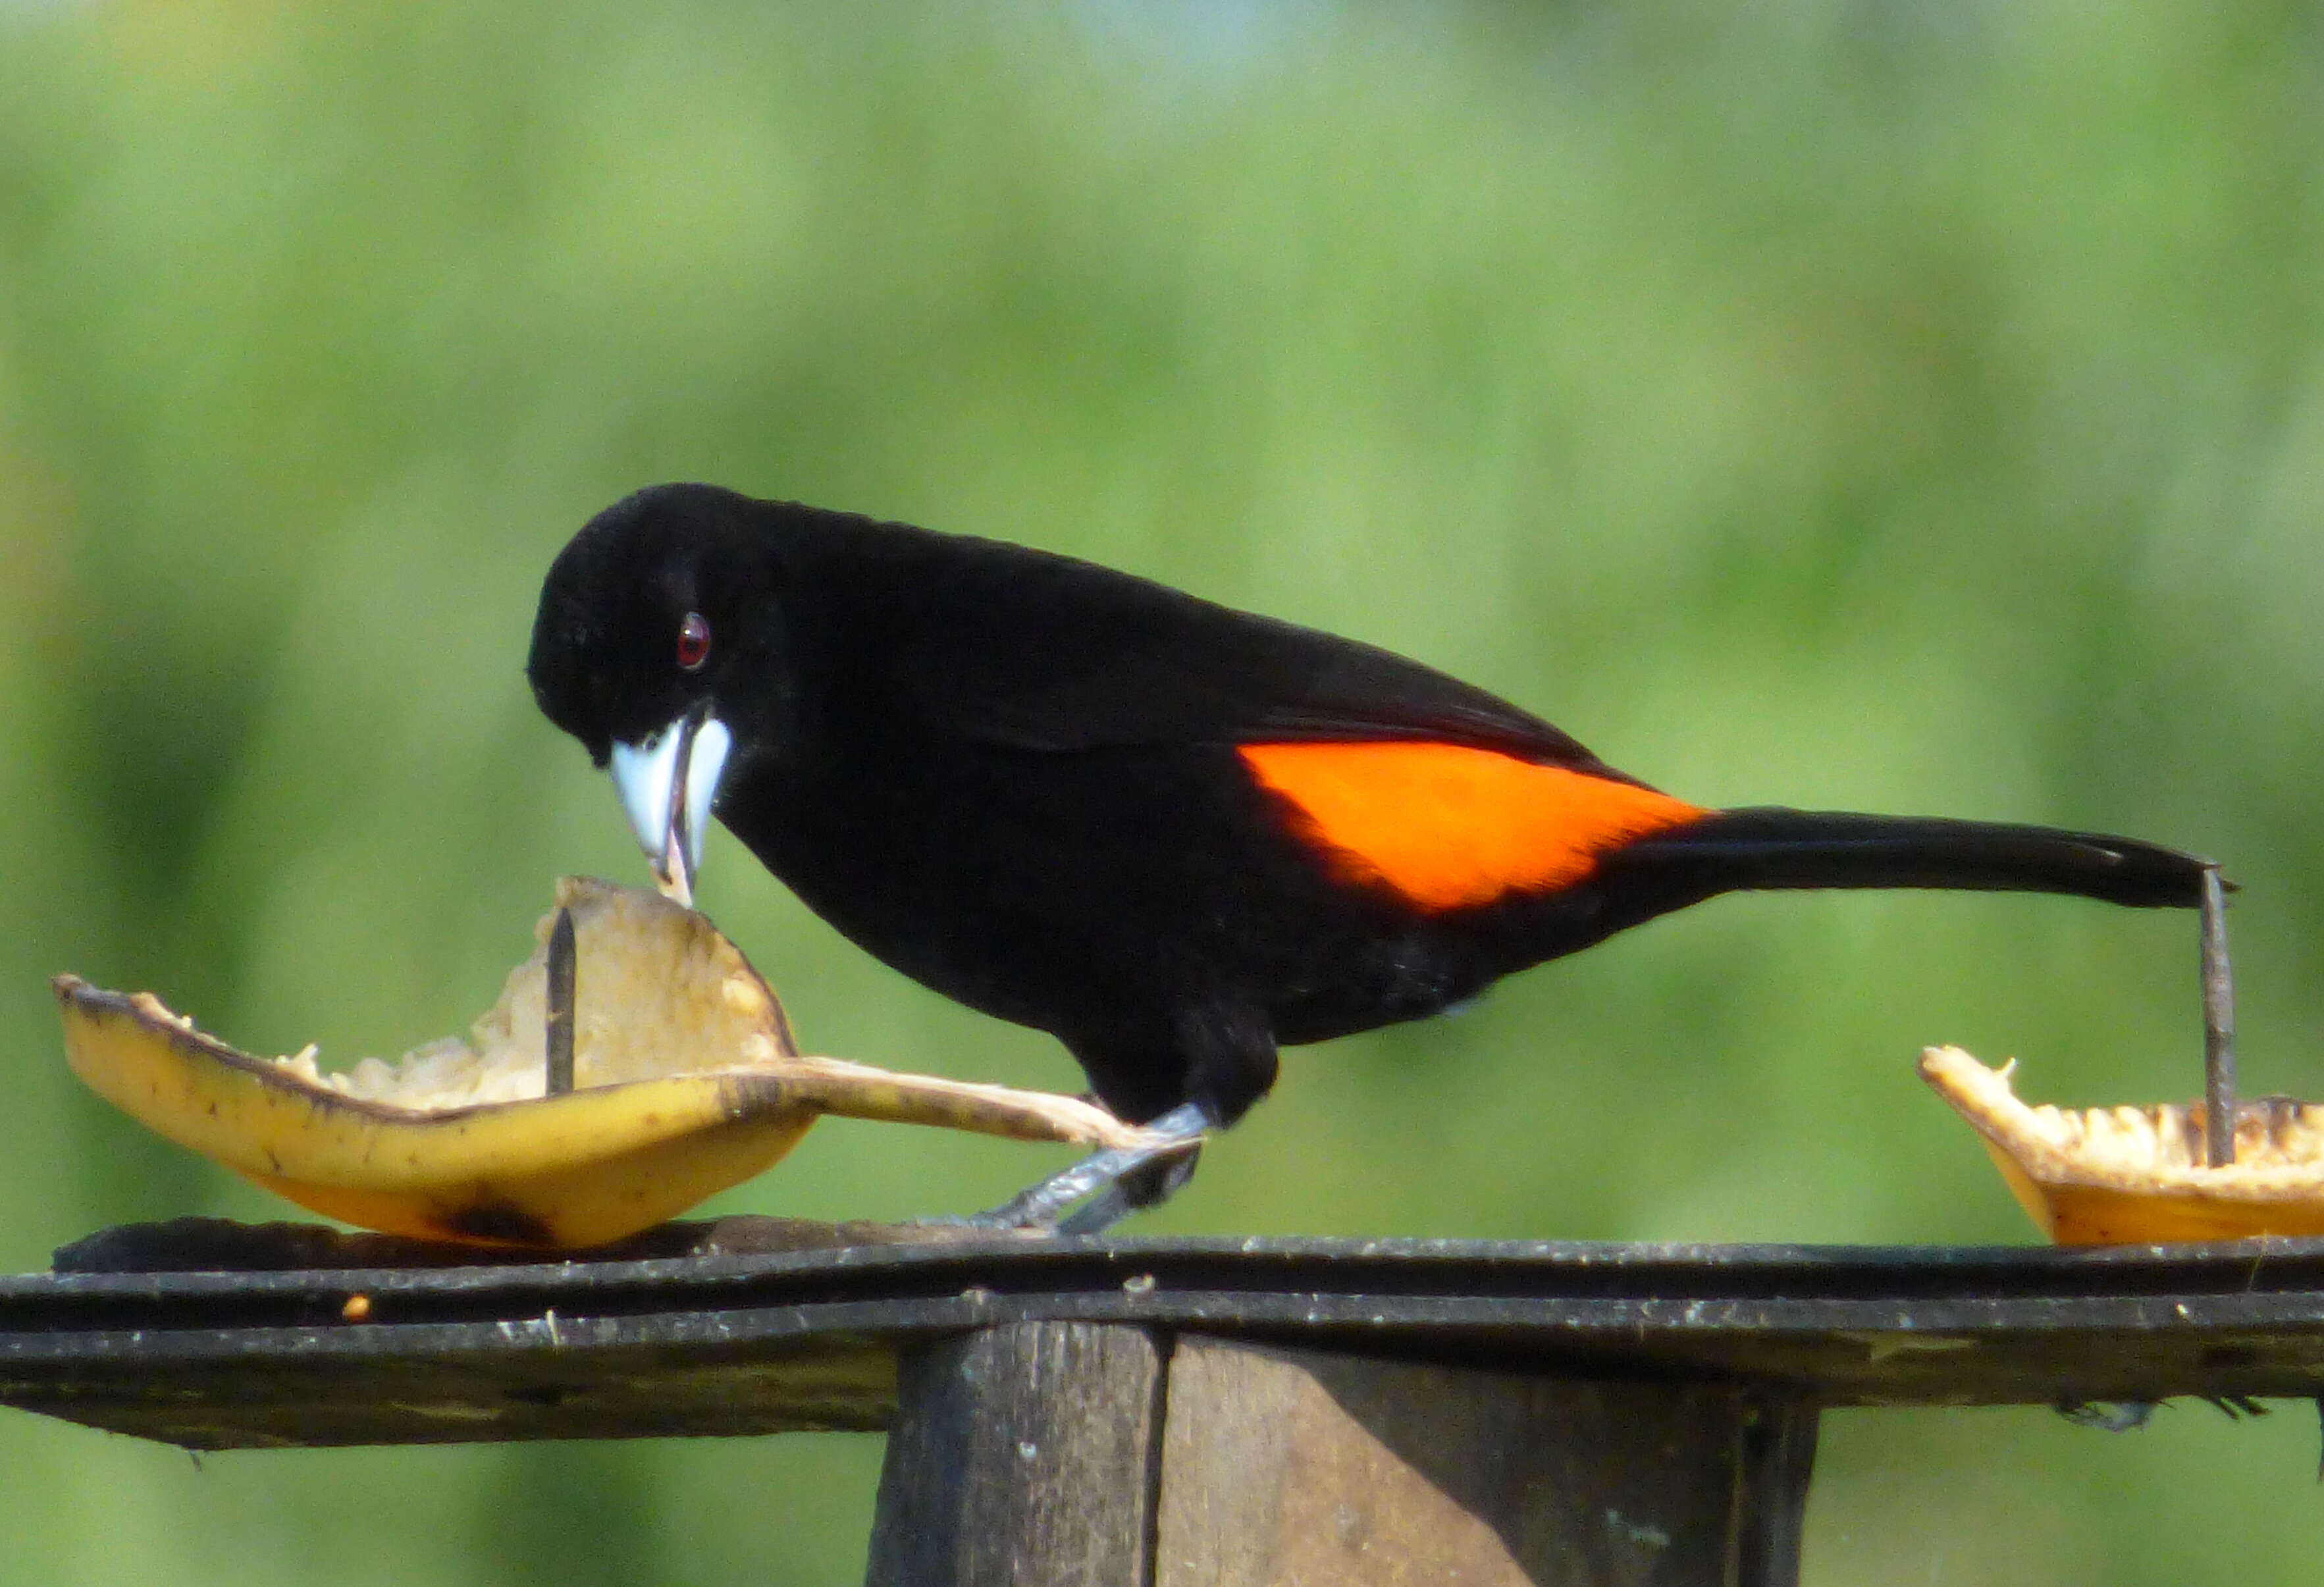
[1042, 653]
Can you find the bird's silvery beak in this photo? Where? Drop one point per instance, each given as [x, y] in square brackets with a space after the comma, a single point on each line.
[667, 782]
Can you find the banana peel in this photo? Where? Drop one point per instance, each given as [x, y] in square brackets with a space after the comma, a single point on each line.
[686, 1080]
[2135, 1176]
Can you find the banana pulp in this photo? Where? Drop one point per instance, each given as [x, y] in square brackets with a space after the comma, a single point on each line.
[2131, 1175]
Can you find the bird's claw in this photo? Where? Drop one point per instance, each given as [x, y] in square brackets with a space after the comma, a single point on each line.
[1106, 1186]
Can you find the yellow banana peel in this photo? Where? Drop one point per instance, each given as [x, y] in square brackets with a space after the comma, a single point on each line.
[687, 1081]
[2135, 1176]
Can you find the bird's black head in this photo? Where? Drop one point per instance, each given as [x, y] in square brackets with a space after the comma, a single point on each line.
[613, 655]
[658, 646]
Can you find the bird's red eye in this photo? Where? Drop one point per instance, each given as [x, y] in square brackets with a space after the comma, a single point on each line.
[692, 641]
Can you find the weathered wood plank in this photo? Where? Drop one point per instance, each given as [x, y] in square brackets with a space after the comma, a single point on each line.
[1283, 1468]
[280, 1398]
[1021, 1456]
[776, 1339]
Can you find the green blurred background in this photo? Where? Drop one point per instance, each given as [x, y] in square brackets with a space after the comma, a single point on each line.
[1855, 403]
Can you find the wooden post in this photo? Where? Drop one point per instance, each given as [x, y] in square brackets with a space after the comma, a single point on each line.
[1282, 1466]
[1021, 1456]
[1053, 1453]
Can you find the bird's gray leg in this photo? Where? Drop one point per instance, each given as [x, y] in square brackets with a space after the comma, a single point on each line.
[1100, 1176]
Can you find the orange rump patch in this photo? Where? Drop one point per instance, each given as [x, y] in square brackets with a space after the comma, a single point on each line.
[1448, 827]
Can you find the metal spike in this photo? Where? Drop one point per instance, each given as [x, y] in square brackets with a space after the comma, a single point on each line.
[557, 1020]
[2219, 1028]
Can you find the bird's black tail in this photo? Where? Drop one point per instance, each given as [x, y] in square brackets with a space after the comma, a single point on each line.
[1737, 850]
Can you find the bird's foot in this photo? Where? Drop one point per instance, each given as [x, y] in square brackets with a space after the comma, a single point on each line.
[1107, 1186]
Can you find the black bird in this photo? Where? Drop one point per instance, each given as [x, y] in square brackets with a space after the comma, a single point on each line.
[1172, 834]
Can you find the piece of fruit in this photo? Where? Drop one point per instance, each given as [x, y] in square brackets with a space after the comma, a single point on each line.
[2131, 1175]
[686, 1080]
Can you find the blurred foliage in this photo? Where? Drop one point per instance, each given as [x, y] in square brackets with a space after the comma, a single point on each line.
[1841, 402]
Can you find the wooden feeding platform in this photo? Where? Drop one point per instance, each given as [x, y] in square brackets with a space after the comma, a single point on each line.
[1171, 1411]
